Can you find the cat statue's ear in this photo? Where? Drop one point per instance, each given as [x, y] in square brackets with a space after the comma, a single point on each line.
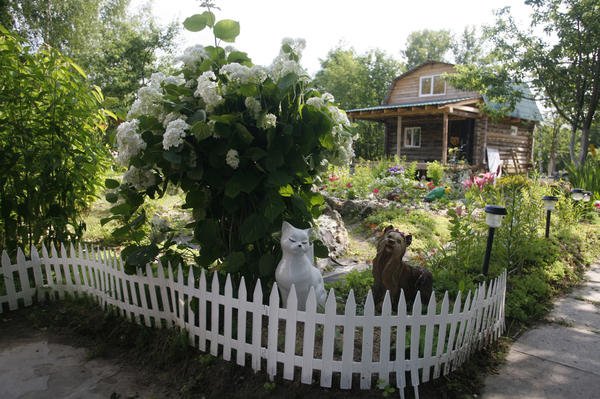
[285, 227]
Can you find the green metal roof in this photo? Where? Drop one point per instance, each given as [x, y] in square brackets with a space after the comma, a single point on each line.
[408, 105]
[526, 108]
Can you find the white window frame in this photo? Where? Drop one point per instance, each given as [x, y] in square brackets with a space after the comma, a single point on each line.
[413, 130]
[433, 78]
[514, 130]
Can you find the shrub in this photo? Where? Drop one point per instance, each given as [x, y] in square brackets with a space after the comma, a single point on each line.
[435, 171]
[245, 143]
[51, 140]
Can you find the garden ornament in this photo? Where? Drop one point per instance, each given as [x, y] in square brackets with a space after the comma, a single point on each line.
[296, 267]
[392, 274]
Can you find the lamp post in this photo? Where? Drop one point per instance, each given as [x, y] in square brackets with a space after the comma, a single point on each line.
[577, 194]
[493, 218]
[549, 204]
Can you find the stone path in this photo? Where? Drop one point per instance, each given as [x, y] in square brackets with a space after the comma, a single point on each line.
[35, 367]
[560, 359]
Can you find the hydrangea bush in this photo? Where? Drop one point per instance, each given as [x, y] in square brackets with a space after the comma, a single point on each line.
[246, 144]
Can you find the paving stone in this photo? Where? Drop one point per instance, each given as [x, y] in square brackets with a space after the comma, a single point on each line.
[580, 314]
[534, 378]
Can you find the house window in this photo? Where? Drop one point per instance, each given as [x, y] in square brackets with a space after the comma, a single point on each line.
[412, 137]
[433, 85]
[514, 130]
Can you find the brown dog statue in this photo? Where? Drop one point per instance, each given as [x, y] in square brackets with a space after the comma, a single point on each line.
[392, 274]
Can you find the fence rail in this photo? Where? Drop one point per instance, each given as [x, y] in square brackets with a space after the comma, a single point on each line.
[359, 346]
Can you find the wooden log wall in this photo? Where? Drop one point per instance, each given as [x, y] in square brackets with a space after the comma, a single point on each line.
[499, 136]
[406, 89]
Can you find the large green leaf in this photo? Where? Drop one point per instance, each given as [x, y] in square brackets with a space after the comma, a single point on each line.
[111, 183]
[201, 130]
[196, 22]
[286, 191]
[274, 207]
[227, 30]
[242, 181]
[234, 262]
[253, 228]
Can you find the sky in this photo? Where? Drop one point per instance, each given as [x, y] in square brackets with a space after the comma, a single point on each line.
[325, 24]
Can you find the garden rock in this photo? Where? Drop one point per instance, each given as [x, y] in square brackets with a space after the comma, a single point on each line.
[332, 231]
[357, 208]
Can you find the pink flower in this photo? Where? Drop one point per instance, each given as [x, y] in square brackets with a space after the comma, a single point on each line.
[333, 178]
[375, 191]
[349, 185]
[467, 183]
[597, 205]
[479, 181]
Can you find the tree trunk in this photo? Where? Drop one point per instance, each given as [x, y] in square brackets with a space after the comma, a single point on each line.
[553, 148]
[572, 142]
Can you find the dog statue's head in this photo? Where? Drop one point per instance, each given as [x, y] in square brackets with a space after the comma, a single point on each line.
[393, 242]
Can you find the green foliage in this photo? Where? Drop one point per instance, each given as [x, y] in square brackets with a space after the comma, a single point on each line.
[528, 298]
[587, 175]
[359, 80]
[359, 281]
[51, 130]
[435, 171]
[428, 230]
[563, 68]
[427, 45]
[386, 177]
[245, 144]
[116, 48]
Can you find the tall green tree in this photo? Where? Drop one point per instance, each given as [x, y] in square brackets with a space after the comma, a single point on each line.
[359, 81]
[51, 129]
[427, 45]
[118, 49]
[563, 64]
[468, 47]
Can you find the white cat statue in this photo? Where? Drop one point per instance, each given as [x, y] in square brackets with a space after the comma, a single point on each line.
[296, 267]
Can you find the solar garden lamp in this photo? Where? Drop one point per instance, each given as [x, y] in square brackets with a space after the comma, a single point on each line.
[587, 196]
[493, 218]
[549, 204]
[577, 194]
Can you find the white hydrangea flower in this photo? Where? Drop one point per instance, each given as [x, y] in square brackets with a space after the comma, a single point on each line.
[259, 73]
[129, 141]
[281, 68]
[338, 115]
[175, 133]
[170, 117]
[297, 45]
[148, 103]
[158, 78]
[139, 178]
[327, 97]
[193, 55]
[316, 102]
[267, 121]
[253, 105]
[241, 74]
[232, 158]
[208, 90]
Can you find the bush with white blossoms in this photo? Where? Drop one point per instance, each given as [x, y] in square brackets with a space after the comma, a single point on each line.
[246, 144]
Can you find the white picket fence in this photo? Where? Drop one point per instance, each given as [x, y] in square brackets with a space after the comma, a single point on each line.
[365, 347]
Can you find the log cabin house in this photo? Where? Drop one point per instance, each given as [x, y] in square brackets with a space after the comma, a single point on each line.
[424, 118]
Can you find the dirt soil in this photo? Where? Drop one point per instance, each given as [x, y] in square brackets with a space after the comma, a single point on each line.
[154, 363]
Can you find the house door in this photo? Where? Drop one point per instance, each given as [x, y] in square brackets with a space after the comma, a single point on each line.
[460, 140]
